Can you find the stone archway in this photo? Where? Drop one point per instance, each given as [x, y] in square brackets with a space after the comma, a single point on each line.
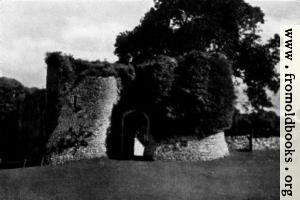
[133, 121]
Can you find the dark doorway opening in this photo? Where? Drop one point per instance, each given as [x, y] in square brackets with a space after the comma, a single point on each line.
[135, 126]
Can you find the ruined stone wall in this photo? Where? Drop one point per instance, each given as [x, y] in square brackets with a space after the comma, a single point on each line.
[193, 149]
[84, 119]
[85, 93]
[212, 147]
[242, 142]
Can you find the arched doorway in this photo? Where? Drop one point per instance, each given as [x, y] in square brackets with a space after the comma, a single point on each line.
[134, 124]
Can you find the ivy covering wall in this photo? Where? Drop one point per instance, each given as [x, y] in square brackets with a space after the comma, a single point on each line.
[81, 96]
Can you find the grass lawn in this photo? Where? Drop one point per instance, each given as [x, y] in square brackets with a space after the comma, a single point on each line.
[243, 176]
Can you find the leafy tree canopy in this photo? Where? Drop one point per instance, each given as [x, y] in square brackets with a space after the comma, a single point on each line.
[175, 27]
[204, 92]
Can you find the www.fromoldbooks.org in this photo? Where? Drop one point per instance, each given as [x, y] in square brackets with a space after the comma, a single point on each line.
[289, 111]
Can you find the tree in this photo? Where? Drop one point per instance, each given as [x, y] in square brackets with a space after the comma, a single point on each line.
[21, 121]
[204, 93]
[175, 27]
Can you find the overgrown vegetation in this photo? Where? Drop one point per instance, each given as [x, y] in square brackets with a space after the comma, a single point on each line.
[231, 27]
[190, 95]
[69, 67]
[22, 114]
[85, 93]
[204, 93]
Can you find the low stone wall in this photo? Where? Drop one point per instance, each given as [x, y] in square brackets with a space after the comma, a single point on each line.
[242, 143]
[84, 119]
[193, 149]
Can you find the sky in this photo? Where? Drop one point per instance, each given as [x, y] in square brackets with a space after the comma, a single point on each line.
[87, 30]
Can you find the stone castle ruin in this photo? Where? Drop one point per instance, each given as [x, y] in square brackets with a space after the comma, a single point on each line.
[98, 109]
[83, 120]
[80, 99]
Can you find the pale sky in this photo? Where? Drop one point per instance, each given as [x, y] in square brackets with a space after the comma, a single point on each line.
[87, 30]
